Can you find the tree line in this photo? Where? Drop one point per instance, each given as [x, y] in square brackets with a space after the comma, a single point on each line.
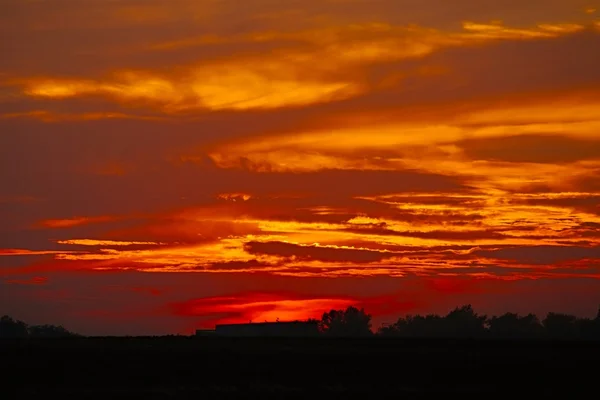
[12, 328]
[463, 322]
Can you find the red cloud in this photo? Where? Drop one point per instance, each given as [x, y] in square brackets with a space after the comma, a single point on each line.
[36, 280]
[258, 307]
[71, 222]
[148, 290]
[320, 253]
[255, 306]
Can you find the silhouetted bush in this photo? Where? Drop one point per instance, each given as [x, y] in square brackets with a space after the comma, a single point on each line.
[10, 328]
[350, 322]
[464, 322]
[561, 326]
[460, 322]
[514, 326]
[14, 329]
[50, 331]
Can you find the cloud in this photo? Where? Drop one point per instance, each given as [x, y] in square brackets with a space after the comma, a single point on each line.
[532, 149]
[71, 222]
[48, 116]
[104, 243]
[25, 252]
[241, 266]
[36, 280]
[470, 236]
[257, 307]
[315, 252]
[287, 77]
[269, 306]
[542, 254]
[213, 88]
[586, 202]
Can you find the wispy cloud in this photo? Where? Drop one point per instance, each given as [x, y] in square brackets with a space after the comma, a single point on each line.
[76, 221]
[93, 242]
[289, 75]
[37, 280]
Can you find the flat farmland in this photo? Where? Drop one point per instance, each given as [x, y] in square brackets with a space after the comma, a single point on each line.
[180, 367]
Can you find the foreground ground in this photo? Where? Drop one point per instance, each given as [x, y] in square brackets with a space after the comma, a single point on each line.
[202, 368]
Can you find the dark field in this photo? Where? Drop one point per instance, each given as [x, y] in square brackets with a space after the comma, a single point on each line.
[200, 368]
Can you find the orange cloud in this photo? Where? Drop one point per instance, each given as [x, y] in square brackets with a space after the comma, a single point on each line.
[421, 143]
[93, 242]
[48, 116]
[286, 78]
[498, 31]
[233, 87]
[72, 222]
[25, 252]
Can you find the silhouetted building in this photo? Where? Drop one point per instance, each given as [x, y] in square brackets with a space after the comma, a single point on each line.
[272, 329]
[205, 332]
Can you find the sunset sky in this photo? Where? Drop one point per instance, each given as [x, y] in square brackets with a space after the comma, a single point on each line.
[169, 165]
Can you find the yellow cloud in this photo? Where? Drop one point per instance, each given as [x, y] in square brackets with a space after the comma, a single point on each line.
[499, 31]
[522, 224]
[169, 258]
[416, 139]
[48, 116]
[235, 196]
[323, 69]
[225, 87]
[94, 242]
[559, 109]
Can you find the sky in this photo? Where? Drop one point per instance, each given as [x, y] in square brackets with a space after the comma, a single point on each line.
[166, 166]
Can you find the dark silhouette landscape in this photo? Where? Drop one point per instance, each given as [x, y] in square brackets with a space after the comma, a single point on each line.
[462, 353]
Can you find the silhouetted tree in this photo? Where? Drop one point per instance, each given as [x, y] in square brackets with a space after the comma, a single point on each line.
[587, 329]
[49, 331]
[596, 333]
[465, 322]
[561, 326]
[460, 322]
[10, 328]
[514, 326]
[413, 326]
[349, 322]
